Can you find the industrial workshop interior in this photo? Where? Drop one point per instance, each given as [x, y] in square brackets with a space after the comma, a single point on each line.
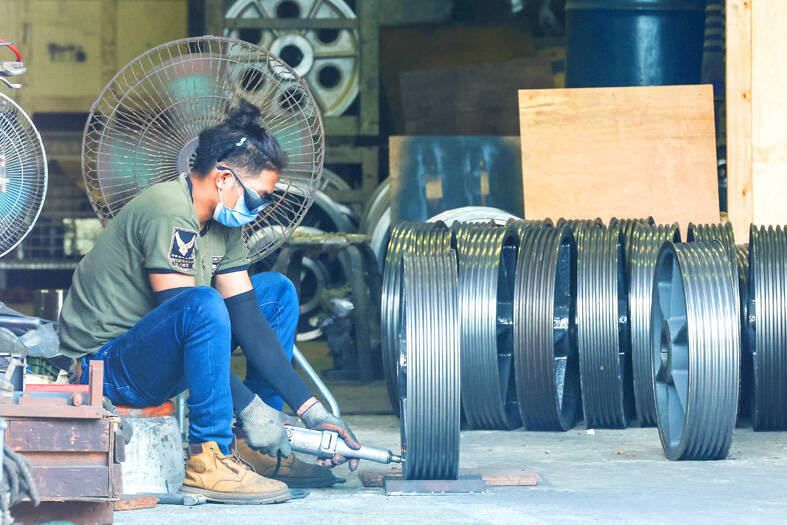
[393, 261]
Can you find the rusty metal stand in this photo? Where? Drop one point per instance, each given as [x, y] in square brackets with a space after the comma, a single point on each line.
[390, 478]
[360, 361]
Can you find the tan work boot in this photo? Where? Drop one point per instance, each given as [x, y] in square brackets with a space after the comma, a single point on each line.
[227, 479]
[292, 471]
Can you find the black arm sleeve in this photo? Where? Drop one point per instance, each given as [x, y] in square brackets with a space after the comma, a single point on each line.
[263, 350]
[165, 295]
[241, 395]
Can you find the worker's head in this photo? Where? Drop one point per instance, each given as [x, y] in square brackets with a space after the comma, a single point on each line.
[239, 155]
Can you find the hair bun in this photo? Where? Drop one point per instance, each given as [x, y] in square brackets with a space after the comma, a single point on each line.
[244, 116]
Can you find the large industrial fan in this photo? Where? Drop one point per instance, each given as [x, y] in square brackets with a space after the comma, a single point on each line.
[23, 175]
[144, 126]
[23, 181]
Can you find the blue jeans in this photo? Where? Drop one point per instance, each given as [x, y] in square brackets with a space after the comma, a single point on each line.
[185, 343]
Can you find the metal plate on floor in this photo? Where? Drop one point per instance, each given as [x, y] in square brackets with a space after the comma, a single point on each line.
[472, 484]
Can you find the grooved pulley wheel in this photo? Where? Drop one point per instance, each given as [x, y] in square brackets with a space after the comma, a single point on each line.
[546, 359]
[766, 327]
[429, 374]
[696, 347]
[602, 327]
[487, 270]
[408, 237]
[645, 243]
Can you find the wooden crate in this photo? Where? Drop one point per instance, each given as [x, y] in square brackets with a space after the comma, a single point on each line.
[73, 447]
[756, 114]
[72, 459]
[72, 48]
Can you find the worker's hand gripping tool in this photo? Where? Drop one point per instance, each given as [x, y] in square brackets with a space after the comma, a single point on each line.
[325, 444]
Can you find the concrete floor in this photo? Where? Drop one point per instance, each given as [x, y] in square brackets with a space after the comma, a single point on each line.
[611, 476]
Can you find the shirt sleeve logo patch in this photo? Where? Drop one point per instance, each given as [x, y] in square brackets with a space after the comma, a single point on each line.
[181, 251]
[216, 262]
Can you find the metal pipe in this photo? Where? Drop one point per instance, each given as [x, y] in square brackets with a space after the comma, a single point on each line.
[180, 399]
[180, 403]
[315, 379]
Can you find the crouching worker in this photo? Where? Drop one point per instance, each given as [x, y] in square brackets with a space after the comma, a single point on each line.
[165, 295]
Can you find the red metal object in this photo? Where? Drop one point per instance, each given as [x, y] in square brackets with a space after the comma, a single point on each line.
[37, 405]
[82, 389]
[167, 409]
[14, 49]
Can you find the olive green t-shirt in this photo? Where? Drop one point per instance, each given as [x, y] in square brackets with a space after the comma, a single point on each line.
[156, 232]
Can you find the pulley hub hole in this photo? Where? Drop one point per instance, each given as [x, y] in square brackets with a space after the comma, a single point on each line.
[328, 36]
[292, 55]
[288, 9]
[329, 77]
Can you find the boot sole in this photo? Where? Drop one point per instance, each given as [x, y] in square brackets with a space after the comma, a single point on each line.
[308, 483]
[239, 498]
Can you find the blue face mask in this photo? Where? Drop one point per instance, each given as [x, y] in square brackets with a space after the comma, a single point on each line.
[240, 214]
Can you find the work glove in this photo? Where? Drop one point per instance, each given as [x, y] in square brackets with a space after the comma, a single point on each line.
[318, 418]
[264, 427]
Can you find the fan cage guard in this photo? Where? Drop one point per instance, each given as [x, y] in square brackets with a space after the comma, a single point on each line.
[144, 126]
[23, 175]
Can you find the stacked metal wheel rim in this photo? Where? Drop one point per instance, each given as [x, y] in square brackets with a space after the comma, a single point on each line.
[376, 221]
[602, 326]
[696, 346]
[487, 271]
[420, 238]
[746, 393]
[328, 59]
[742, 258]
[545, 351]
[646, 241]
[429, 375]
[722, 233]
[627, 232]
[574, 224]
[766, 327]
[473, 214]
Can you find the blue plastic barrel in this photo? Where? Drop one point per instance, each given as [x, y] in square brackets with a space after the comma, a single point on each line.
[633, 42]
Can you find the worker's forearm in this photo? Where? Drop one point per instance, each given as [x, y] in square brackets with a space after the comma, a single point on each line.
[306, 406]
[241, 395]
[263, 350]
[165, 295]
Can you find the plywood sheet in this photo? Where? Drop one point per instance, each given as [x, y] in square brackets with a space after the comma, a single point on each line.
[769, 112]
[756, 114]
[740, 203]
[625, 152]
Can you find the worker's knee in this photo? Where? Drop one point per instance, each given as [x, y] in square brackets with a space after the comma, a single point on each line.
[278, 288]
[207, 307]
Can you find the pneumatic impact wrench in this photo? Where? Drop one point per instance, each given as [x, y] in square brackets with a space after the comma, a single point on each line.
[325, 444]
